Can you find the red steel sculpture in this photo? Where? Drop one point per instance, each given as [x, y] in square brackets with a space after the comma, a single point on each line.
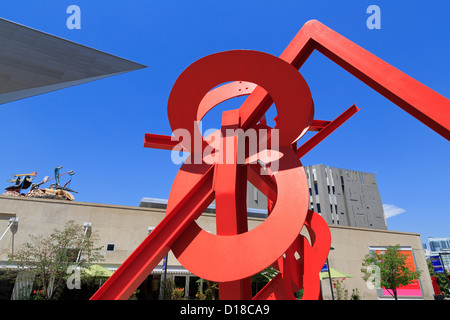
[235, 253]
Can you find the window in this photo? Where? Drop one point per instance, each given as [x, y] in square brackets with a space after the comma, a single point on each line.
[194, 283]
[6, 286]
[110, 247]
[316, 188]
[180, 283]
[318, 208]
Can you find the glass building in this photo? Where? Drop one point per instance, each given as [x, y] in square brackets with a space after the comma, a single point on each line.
[442, 246]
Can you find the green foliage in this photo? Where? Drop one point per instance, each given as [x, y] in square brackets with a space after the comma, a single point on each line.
[267, 274]
[339, 289]
[45, 260]
[355, 295]
[178, 294]
[441, 281]
[169, 285]
[260, 279]
[341, 293]
[210, 291]
[172, 292]
[393, 272]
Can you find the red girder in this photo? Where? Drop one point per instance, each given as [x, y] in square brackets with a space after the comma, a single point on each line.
[197, 185]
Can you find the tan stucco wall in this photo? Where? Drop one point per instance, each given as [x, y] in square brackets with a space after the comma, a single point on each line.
[124, 226]
[127, 227]
[352, 244]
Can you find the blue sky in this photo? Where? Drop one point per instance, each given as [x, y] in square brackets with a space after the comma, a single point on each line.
[97, 129]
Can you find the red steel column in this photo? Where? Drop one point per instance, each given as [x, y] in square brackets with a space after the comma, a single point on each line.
[230, 185]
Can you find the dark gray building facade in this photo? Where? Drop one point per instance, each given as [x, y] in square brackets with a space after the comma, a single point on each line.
[341, 196]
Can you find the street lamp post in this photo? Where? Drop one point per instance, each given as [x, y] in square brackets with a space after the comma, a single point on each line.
[329, 276]
[165, 276]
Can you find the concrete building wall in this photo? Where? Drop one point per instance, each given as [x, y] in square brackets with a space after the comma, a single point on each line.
[126, 227]
[341, 196]
[352, 244]
[362, 199]
[255, 198]
[326, 195]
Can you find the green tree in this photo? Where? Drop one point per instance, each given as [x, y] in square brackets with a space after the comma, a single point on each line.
[441, 281]
[393, 271]
[260, 279]
[169, 286]
[46, 260]
[209, 293]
